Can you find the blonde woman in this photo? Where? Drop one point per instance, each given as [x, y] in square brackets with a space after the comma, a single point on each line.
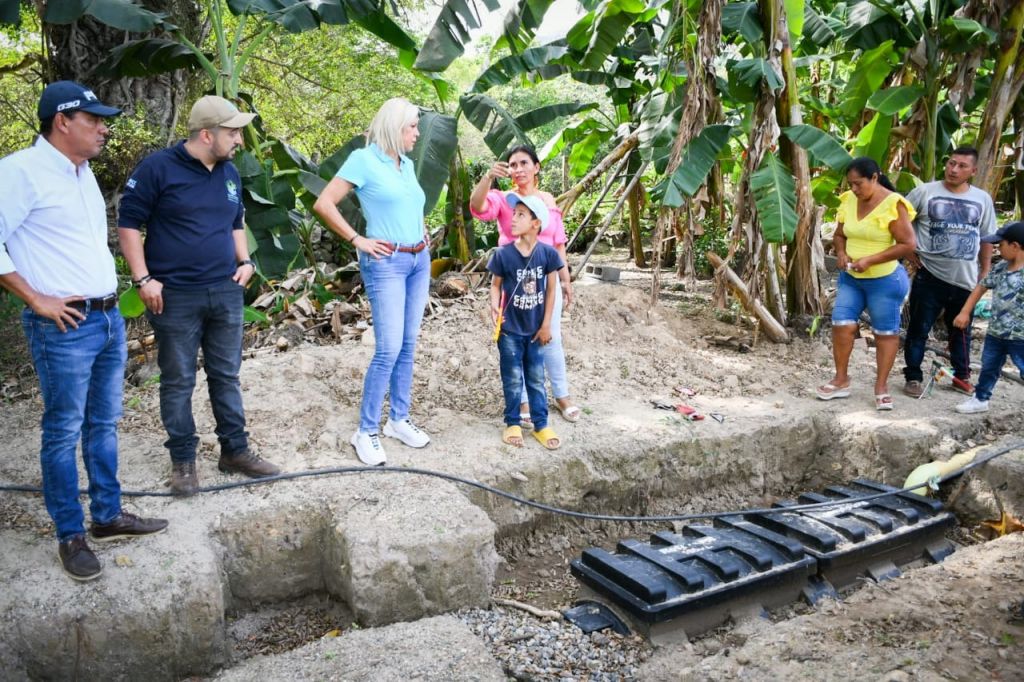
[395, 265]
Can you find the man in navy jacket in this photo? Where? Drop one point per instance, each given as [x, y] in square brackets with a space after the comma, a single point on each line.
[191, 274]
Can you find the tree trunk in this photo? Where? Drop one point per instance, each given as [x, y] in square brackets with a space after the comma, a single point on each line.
[1007, 82]
[74, 51]
[701, 103]
[805, 257]
[636, 244]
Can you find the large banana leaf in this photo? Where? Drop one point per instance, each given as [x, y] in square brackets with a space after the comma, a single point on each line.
[570, 134]
[746, 76]
[961, 35]
[508, 68]
[583, 151]
[433, 153]
[501, 127]
[873, 67]
[816, 28]
[447, 39]
[795, 18]
[10, 13]
[873, 139]
[521, 24]
[743, 18]
[949, 123]
[697, 161]
[147, 57]
[599, 32]
[823, 188]
[868, 27]
[329, 167]
[774, 193]
[497, 123]
[120, 14]
[894, 100]
[822, 147]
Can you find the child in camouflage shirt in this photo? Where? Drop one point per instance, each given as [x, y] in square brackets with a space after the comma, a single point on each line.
[1006, 330]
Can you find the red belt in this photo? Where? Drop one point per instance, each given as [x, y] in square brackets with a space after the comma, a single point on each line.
[411, 249]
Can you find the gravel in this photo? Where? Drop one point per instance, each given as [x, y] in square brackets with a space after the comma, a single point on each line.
[532, 649]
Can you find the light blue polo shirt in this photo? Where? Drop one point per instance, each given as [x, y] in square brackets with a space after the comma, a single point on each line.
[392, 199]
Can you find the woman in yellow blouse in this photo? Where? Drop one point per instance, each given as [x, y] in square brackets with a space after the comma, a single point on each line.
[873, 233]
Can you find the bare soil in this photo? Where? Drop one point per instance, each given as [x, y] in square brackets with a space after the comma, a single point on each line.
[622, 354]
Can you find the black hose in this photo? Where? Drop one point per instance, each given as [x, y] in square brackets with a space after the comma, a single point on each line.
[978, 461]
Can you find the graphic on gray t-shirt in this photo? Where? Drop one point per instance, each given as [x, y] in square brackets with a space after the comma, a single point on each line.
[949, 228]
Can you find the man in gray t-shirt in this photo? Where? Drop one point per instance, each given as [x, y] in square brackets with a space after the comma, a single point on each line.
[952, 217]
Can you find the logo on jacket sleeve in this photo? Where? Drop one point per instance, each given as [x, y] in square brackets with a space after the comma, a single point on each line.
[232, 191]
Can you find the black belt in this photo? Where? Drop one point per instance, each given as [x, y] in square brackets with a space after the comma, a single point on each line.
[106, 303]
[411, 249]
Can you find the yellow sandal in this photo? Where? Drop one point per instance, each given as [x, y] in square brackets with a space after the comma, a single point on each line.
[545, 435]
[511, 432]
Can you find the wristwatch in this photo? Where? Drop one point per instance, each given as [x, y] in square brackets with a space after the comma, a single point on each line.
[247, 261]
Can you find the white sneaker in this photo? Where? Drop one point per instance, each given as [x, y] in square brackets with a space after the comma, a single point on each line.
[407, 432]
[368, 449]
[972, 406]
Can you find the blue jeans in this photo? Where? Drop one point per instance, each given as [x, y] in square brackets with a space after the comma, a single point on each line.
[993, 357]
[882, 296]
[929, 297]
[553, 355]
[211, 319]
[81, 377]
[397, 286]
[520, 359]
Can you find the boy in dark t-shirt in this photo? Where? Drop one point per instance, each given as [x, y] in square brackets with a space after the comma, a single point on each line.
[522, 300]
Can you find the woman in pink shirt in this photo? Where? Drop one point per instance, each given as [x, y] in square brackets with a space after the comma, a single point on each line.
[523, 167]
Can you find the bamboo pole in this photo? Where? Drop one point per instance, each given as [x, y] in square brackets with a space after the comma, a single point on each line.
[772, 329]
[609, 219]
[593, 209]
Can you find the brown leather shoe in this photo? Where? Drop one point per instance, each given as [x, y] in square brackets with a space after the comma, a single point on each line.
[184, 481]
[248, 464]
[78, 560]
[126, 525]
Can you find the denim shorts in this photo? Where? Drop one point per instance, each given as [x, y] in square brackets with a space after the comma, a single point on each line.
[882, 296]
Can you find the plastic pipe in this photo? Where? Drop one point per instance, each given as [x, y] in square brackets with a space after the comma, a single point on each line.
[935, 470]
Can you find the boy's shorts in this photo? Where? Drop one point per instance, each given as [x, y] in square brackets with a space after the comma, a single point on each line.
[882, 296]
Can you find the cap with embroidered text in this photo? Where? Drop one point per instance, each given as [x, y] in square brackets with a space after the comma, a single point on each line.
[216, 112]
[68, 96]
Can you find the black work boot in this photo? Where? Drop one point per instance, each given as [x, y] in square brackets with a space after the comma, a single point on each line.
[126, 525]
[248, 464]
[78, 560]
[184, 480]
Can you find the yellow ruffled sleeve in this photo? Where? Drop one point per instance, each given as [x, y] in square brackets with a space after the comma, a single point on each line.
[887, 210]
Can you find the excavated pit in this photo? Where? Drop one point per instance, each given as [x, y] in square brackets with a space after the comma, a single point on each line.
[389, 548]
[383, 560]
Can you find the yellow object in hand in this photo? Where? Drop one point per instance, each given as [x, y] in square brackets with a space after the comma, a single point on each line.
[501, 317]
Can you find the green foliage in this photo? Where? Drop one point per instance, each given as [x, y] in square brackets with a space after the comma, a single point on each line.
[744, 19]
[696, 162]
[774, 193]
[894, 100]
[873, 139]
[871, 70]
[450, 33]
[820, 146]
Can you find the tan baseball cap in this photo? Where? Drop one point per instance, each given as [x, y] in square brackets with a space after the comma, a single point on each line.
[212, 112]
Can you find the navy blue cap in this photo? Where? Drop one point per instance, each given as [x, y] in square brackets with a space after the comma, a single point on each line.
[1011, 232]
[64, 96]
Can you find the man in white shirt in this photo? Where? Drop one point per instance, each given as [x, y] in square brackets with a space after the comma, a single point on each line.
[54, 256]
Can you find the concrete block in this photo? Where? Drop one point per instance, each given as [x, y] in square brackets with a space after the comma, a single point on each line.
[273, 554]
[605, 273]
[410, 548]
[154, 614]
[440, 648]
